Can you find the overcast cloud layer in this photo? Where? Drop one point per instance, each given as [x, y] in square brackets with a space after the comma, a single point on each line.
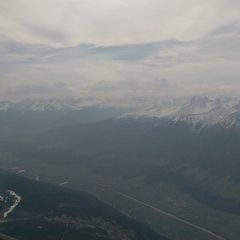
[118, 48]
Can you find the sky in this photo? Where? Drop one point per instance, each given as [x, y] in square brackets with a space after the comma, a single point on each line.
[118, 48]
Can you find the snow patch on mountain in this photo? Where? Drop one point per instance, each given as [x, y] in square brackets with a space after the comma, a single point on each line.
[41, 105]
[201, 111]
[16, 201]
[198, 110]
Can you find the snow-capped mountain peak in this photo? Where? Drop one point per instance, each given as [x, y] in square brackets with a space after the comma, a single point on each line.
[197, 110]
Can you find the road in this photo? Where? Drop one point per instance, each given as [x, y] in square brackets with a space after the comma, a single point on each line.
[172, 216]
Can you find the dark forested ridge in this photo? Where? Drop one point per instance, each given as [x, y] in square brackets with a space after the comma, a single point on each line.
[46, 212]
[214, 148]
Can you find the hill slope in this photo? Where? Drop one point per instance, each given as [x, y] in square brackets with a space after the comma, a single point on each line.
[48, 212]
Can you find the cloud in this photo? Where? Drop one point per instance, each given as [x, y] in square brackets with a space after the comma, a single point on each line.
[110, 49]
[38, 90]
[113, 22]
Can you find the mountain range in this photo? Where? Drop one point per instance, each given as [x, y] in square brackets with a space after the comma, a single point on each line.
[199, 111]
[177, 156]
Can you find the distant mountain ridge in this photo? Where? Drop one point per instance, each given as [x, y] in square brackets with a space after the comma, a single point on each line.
[197, 110]
[41, 105]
